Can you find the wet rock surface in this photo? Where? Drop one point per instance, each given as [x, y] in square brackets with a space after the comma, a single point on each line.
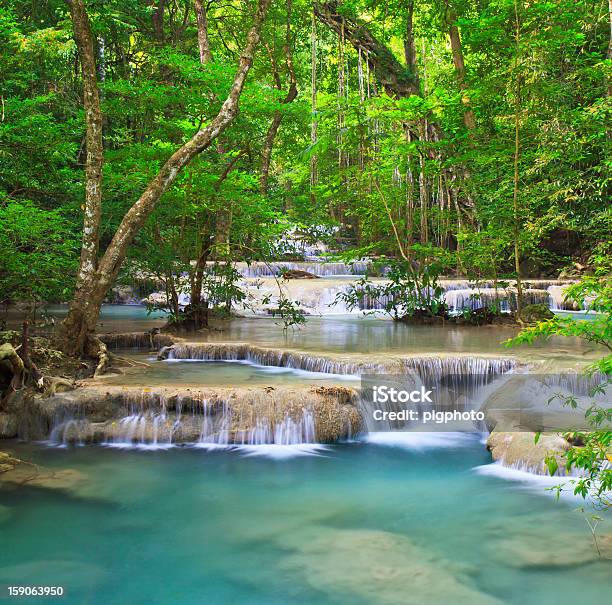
[218, 415]
[520, 450]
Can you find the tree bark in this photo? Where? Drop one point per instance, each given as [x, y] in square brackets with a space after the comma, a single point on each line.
[313, 102]
[86, 276]
[203, 41]
[77, 331]
[517, 150]
[292, 92]
[397, 80]
[409, 46]
[455, 41]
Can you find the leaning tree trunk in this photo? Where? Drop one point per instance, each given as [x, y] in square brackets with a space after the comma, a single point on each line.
[397, 80]
[76, 335]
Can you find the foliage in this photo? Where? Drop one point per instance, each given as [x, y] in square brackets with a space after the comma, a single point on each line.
[594, 294]
[39, 254]
[591, 453]
[411, 288]
[389, 171]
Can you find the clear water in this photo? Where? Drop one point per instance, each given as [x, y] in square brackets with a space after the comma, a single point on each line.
[359, 524]
[220, 373]
[352, 334]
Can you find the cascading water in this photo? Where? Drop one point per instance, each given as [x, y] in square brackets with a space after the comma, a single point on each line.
[425, 365]
[455, 384]
[265, 357]
[321, 269]
[477, 298]
[320, 296]
[155, 419]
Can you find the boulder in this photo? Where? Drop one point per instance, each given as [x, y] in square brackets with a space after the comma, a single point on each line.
[536, 312]
[520, 450]
[8, 425]
[122, 295]
[298, 274]
[7, 462]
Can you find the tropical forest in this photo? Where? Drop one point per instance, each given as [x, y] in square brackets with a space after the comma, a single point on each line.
[306, 301]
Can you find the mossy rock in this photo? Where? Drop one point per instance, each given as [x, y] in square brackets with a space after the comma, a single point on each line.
[298, 274]
[535, 313]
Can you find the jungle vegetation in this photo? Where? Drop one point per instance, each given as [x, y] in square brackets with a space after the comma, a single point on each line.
[167, 137]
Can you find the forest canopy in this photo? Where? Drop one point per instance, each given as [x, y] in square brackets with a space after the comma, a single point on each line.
[471, 131]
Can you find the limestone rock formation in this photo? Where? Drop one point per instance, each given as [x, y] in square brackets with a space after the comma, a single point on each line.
[212, 415]
[520, 450]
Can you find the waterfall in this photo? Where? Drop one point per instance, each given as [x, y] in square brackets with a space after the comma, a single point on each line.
[427, 365]
[318, 296]
[557, 301]
[288, 431]
[136, 340]
[68, 431]
[319, 268]
[146, 419]
[265, 357]
[463, 294]
[456, 384]
[477, 298]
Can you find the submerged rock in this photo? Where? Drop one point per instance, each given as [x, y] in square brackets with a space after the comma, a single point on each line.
[15, 472]
[527, 550]
[7, 462]
[544, 541]
[379, 568]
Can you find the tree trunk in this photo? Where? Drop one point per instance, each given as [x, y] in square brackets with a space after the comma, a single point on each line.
[313, 102]
[409, 47]
[455, 41]
[203, 41]
[77, 331]
[266, 154]
[24, 353]
[395, 78]
[86, 276]
[515, 196]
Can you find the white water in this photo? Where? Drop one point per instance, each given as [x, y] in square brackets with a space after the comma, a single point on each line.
[319, 296]
[426, 366]
[417, 441]
[541, 484]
